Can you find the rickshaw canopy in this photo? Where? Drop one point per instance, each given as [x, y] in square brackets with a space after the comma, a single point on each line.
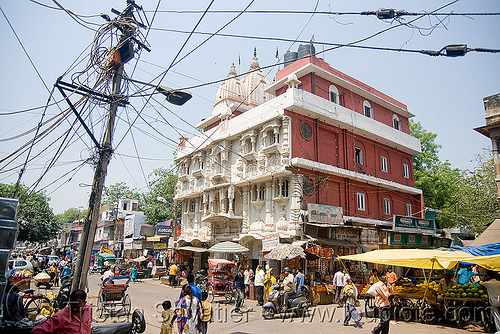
[216, 262]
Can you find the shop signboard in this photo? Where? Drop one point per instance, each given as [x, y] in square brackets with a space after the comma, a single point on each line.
[165, 228]
[438, 242]
[345, 233]
[137, 244]
[369, 236]
[327, 214]
[401, 222]
[407, 239]
[132, 225]
[270, 241]
[160, 245]
[127, 243]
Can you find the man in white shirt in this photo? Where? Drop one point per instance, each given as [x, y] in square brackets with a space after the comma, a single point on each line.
[339, 280]
[259, 285]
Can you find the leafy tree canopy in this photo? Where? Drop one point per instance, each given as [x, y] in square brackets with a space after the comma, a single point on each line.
[70, 215]
[163, 185]
[35, 217]
[115, 192]
[467, 198]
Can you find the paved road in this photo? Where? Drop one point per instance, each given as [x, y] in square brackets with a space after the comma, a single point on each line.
[148, 295]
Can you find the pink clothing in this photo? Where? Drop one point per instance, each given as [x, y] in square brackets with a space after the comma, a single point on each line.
[63, 322]
[383, 293]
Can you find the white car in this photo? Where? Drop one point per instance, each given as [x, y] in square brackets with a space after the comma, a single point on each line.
[20, 264]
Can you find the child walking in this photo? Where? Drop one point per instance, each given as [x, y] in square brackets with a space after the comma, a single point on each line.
[206, 309]
[168, 316]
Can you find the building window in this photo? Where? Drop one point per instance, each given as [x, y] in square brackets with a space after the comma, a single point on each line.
[192, 206]
[124, 207]
[368, 110]
[387, 206]
[359, 156]
[305, 130]
[270, 137]
[361, 202]
[383, 164]
[262, 193]
[255, 193]
[396, 123]
[408, 210]
[284, 188]
[334, 94]
[406, 171]
[308, 186]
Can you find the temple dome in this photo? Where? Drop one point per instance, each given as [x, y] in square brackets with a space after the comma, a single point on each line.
[230, 90]
[254, 84]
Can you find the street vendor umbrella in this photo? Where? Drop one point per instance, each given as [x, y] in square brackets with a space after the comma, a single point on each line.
[285, 251]
[227, 247]
[414, 258]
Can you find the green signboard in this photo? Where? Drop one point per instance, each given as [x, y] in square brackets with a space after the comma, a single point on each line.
[413, 223]
[407, 239]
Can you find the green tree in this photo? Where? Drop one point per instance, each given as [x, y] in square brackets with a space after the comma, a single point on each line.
[115, 192]
[70, 215]
[35, 217]
[163, 185]
[438, 180]
[477, 202]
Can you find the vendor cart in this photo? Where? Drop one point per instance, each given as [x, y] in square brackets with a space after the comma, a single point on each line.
[220, 279]
[463, 311]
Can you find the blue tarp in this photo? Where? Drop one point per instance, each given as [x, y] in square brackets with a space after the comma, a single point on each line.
[490, 249]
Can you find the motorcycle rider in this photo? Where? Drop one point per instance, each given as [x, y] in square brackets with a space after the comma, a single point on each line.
[288, 286]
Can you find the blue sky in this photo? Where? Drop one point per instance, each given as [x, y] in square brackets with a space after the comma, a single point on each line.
[445, 94]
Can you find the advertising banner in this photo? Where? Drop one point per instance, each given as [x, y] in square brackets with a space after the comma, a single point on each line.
[328, 214]
[401, 222]
[406, 239]
[270, 241]
[165, 228]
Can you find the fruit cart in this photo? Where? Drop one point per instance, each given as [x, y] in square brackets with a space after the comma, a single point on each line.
[468, 303]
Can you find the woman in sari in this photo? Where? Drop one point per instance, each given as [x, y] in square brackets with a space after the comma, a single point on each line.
[188, 310]
[269, 282]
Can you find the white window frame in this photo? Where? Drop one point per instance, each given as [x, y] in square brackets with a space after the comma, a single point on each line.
[367, 106]
[387, 206]
[396, 123]
[361, 199]
[409, 212]
[333, 90]
[384, 163]
[406, 170]
[358, 156]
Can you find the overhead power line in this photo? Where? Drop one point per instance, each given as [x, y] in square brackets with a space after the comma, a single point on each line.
[386, 13]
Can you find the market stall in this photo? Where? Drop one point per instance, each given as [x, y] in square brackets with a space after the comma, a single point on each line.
[412, 302]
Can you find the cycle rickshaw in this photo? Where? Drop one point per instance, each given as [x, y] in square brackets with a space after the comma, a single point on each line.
[113, 297]
[220, 279]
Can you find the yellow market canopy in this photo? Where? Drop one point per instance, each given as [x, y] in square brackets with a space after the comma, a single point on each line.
[490, 262]
[416, 258]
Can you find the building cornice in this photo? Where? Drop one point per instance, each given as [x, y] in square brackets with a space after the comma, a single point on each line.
[329, 169]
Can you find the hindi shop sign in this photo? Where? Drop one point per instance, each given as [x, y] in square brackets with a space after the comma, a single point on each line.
[320, 213]
[413, 223]
[165, 228]
[270, 241]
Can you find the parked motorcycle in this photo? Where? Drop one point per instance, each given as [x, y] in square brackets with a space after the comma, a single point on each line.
[62, 297]
[297, 303]
[201, 280]
[136, 326]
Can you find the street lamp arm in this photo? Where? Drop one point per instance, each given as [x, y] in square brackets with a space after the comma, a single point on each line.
[175, 96]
